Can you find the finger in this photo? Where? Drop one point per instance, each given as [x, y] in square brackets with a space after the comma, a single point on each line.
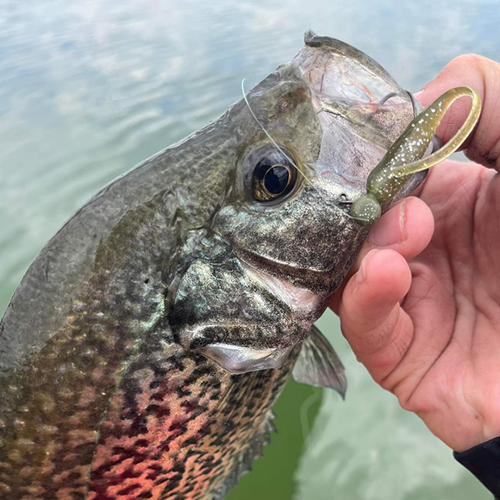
[374, 324]
[483, 75]
[406, 228]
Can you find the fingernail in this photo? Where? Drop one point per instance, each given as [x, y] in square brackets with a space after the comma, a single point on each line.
[391, 227]
[419, 94]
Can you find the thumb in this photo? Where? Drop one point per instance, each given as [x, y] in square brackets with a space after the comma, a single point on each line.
[483, 75]
[374, 324]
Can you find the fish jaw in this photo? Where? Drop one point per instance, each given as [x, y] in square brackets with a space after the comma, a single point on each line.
[345, 81]
[327, 110]
[338, 71]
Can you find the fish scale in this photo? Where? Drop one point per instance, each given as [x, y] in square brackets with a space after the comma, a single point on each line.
[75, 375]
[163, 435]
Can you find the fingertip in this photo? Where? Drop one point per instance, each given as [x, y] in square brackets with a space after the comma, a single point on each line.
[418, 223]
[483, 75]
[466, 69]
[406, 229]
[384, 277]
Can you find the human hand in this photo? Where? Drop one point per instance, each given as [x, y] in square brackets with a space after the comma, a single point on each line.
[421, 309]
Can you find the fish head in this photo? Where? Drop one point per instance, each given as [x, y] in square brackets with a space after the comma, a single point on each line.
[330, 116]
[306, 139]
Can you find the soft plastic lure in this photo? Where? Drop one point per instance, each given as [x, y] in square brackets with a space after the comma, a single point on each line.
[406, 156]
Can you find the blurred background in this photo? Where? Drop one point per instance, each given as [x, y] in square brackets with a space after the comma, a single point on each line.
[90, 88]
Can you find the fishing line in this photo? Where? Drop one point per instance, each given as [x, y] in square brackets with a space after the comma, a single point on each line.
[267, 133]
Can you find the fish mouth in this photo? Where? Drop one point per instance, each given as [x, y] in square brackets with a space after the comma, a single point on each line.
[349, 85]
[237, 359]
[337, 71]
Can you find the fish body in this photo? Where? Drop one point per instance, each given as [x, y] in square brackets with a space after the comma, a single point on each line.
[143, 351]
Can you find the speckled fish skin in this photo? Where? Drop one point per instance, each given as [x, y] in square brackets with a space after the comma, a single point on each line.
[108, 390]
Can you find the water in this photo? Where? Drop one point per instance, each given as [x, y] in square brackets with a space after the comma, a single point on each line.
[89, 88]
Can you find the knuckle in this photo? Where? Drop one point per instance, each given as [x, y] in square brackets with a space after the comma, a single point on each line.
[467, 61]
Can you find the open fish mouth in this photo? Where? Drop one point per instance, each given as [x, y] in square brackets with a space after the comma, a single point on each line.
[346, 82]
[338, 71]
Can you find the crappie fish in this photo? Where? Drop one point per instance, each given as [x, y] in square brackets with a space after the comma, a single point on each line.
[143, 351]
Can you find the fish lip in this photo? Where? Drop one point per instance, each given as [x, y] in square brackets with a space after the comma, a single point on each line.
[339, 74]
[311, 39]
[238, 360]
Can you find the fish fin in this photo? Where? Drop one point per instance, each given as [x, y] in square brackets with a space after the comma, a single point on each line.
[244, 463]
[265, 385]
[319, 365]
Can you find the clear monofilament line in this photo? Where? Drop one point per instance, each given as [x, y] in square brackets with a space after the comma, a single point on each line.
[268, 134]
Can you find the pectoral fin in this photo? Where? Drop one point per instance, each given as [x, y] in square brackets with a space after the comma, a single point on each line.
[319, 365]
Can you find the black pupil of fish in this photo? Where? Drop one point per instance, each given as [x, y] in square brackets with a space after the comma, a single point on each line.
[272, 178]
[276, 179]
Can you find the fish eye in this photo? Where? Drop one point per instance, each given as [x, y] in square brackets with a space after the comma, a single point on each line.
[273, 177]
